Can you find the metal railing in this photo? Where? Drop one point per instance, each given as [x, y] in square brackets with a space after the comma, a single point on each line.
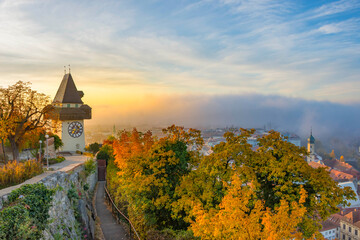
[120, 217]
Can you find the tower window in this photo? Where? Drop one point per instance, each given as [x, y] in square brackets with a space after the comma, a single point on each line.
[76, 105]
[68, 105]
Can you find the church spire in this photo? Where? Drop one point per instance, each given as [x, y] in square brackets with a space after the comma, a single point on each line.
[311, 138]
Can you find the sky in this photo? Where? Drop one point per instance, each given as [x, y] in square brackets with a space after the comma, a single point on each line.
[208, 62]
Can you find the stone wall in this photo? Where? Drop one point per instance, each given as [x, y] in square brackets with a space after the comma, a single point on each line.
[71, 215]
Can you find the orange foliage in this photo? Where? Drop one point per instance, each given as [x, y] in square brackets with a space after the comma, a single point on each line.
[130, 145]
[242, 216]
[14, 173]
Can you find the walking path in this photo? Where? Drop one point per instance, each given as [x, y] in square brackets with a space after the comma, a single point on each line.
[69, 164]
[109, 226]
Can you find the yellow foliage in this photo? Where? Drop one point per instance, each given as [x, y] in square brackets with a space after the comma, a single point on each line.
[14, 173]
[242, 216]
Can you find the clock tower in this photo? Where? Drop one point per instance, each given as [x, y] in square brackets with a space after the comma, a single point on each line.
[71, 111]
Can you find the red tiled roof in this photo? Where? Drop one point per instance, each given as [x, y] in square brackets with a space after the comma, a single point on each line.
[343, 167]
[327, 225]
[340, 176]
[317, 165]
[332, 222]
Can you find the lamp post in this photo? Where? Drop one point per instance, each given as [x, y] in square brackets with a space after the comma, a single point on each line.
[40, 150]
[47, 152]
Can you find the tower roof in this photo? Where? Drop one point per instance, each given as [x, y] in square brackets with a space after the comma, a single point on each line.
[311, 139]
[67, 92]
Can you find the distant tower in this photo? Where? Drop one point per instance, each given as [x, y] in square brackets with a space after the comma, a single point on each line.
[311, 144]
[311, 148]
[71, 111]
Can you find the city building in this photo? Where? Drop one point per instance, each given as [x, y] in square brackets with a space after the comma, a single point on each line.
[330, 228]
[350, 225]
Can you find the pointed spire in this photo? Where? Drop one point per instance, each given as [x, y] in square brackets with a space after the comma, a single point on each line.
[67, 92]
[311, 138]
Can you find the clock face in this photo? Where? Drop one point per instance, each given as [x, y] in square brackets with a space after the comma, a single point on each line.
[75, 129]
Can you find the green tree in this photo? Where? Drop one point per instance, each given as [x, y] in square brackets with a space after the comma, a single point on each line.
[277, 172]
[93, 148]
[149, 172]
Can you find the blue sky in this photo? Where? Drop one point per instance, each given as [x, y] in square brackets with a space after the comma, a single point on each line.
[124, 52]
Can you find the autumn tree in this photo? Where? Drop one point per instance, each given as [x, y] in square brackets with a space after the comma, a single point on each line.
[277, 174]
[22, 110]
[332, 154]
[5, 125]
[237, 192]
[241, 215]
[149, 172]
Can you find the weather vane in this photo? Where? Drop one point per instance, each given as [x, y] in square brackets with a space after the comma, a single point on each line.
[69, 68]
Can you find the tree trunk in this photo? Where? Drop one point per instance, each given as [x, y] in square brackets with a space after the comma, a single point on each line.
[3, 148]
[14, 149]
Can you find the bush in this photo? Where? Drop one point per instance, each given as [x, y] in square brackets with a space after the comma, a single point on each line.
[93, 148]
[79, 152]
[88, 154]
[16, 224]
[169, 234]
[90, 166]
[26, 214]
[104, 155]
[14, 173]
[58, 159]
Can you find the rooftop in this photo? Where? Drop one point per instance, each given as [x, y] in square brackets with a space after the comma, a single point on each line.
[67, 92]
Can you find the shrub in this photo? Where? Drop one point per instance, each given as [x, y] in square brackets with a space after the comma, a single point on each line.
[102, 154]
[90, 166]
[14, 173]
[169, 234]
[88, 154]
[72, 194]
[93, 148]
[86, 187]
[105, 153]
[26, 214]
[16, 224]
[58, 159]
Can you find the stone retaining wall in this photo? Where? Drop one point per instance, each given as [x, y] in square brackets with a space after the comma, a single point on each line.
[71, 216]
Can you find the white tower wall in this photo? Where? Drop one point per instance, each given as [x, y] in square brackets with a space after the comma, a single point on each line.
[72, 144]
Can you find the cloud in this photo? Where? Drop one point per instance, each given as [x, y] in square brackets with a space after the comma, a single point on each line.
[335, 7]
[329, 28]
[203, 47]
[248, 110]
